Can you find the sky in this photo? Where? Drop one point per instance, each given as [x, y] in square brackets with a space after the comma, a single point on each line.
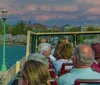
[53, 12]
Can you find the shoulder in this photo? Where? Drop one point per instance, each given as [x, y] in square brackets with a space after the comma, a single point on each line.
[62, 80]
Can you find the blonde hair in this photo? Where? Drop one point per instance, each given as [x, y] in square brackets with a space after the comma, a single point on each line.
[35, 72]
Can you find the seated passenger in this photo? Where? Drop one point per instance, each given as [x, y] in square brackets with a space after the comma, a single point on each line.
[65, 57]
[96, 48]
[82, 60]
[61, 42]
[43, 40]
[38, 57]
[33, 73]
[45, 49]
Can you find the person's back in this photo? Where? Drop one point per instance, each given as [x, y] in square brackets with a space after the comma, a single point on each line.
[82, 60]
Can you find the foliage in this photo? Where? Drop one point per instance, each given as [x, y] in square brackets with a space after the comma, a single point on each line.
[74, 29]
[9, 29]
[91, 28]
[18, 28]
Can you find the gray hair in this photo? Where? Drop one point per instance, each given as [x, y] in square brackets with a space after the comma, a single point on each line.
[38, 57]
[81, 58]
[43, 47]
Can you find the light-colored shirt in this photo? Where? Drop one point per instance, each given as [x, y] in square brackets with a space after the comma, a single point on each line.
[52, 51]
[75, 73]
[52, 58]
[58, 63]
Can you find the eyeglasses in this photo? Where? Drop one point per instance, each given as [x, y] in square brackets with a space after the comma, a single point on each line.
[20, 75]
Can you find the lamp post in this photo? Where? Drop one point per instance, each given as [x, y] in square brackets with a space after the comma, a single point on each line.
[4, 18]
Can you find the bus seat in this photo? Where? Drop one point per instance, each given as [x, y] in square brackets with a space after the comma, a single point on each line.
[52, 73]
[53, 81]
[64, 70]
[87, 81]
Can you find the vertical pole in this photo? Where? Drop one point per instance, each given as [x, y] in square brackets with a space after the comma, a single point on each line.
[3, 67]
[75, 39]
[28, 44]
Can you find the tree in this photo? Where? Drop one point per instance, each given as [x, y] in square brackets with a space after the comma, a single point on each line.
[18, 28]
[90, 28]
[9, 29]
[74, 29]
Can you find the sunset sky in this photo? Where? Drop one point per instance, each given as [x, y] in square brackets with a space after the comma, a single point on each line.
[53, 12]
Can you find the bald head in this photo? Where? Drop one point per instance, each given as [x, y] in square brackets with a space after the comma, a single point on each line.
[86, 50]
[84, 55]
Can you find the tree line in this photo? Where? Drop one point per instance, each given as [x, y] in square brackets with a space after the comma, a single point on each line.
[19, 28]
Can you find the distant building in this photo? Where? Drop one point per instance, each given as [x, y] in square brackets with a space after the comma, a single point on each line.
[55, 28]
[67, 27]
[84, 27]
[36, 26]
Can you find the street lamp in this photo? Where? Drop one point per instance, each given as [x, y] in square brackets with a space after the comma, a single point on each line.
[4, 18]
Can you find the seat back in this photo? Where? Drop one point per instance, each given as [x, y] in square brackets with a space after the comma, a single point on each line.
[50, 66]
[64, 70]
[53, 81]
[52, 73]
[87, 81]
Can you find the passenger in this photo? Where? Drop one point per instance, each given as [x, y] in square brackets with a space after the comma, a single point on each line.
[60, 43]
[66, 52]
[96, 64]
[43, 40]
[33, 73]
[82, 59]
[45, 49]
[38, 57]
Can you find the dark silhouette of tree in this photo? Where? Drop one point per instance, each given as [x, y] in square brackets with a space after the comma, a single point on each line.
[19, 28]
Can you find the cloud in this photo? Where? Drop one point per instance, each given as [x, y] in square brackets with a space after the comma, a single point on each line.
[60, 8]
[53, 16]
[52, 9]
[89, 2]
[93, 11]
[93, 17]
[30, 7]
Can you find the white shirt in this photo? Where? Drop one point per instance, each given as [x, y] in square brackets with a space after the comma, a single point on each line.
[52, 58]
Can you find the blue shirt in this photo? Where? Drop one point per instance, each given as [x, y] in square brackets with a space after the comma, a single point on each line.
[75, 73]
[58, 63]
